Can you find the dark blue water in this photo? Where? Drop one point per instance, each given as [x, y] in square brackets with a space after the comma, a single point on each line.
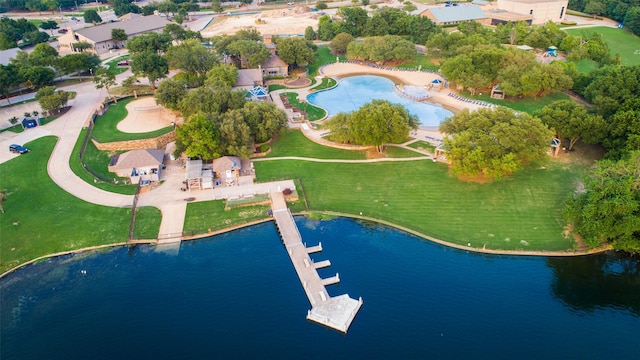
[237, 296]
[354, 91]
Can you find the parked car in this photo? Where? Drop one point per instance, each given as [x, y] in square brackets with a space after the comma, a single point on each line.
[123, 63]
[18, 149]
[63, 31]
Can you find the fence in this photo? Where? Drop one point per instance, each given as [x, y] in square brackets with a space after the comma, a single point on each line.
[134, 209]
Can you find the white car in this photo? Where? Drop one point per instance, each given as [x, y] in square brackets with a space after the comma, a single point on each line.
[291, 3]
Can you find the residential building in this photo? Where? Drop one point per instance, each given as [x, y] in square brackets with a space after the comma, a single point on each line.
[100, 36]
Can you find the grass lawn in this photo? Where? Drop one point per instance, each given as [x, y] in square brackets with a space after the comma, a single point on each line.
[422, 145]
[527, 104]
[17, 128]
[294, 143]
[113, 65]
[313, 112]
[421, 60]
[202, 216]
[323, 56]
[147, 225]
[620, 41]
[523, 212]
[105, 129]
[586, 66]
[326, 83]
[98, 161]
[40, 218]
[274, 87]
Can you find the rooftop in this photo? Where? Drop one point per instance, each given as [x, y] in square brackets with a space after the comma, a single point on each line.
[135, 26]
[448, 14]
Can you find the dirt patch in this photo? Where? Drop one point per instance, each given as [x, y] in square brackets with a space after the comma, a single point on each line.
[145, 115]
[298, 82]
[291, 21]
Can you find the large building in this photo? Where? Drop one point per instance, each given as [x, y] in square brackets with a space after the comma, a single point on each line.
[452, 15]
[100, 36]
[541, 10]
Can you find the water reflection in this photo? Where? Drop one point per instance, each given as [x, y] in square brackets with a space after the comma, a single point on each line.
[587, 283]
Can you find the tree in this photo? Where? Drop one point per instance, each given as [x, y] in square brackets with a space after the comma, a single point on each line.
[327, 28]
[225, 73]
[365, 2]
[190, 56]
[264, 119]
[309, 33]
[375, 123]
[572, 121]
[91, 16]
[77, 63]
[43, 54]
[632, 19]
[340, 43]
[37, 76]
[321, 5]
[211, 100]
[10, 79]
[296, 51]
[151, 65]
[170, 93]
[49, 25]
[354, 20]
[198, 138]
[120, 35]
[122, 7]
[50, 99]
[103, 78]
[81, 46]
[381, 49]
[252, 52]
[493, 143]
[149, 42]
[609, 209]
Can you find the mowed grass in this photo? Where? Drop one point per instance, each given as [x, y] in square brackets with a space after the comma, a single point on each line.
[527, 104]
[148, 221]
[40, 218]
[96, 160]
[620, 41]
[323, 57]
[105, 129]
[294, 143]
[523, 212]
[421, 61]
[202, 216]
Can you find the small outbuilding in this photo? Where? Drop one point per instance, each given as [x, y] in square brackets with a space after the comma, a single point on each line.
[227, 169]
[138, 165]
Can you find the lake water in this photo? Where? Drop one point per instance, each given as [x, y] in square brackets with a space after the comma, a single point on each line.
[237, 296]
[354, 91]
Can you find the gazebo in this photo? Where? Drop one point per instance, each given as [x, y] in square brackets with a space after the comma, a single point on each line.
[436, 83]
[496, 93]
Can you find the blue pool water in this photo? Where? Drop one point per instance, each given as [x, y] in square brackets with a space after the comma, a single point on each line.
[237, 296]
[353, 92]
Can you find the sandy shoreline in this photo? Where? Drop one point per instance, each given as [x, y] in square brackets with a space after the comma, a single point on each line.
[145, 115]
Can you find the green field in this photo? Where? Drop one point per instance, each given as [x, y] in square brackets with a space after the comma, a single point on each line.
[527, 104]
[313, 112]
[323, 56]
[620, 41]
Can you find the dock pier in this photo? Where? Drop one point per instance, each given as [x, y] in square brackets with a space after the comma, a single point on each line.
[334, 312]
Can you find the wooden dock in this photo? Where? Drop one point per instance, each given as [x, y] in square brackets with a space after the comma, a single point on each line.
[334, 312]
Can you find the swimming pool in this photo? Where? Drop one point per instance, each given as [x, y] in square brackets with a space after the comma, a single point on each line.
[353, 92]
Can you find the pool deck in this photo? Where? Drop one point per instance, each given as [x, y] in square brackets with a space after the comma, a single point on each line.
[335, 312]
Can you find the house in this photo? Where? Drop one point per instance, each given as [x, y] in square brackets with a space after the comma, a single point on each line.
[100, 36]
[452, 15]
[227, 169]
[274, 66]
[541, 11]
[249, 78]
[138, 165]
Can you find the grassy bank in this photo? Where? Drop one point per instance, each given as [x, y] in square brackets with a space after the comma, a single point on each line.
[620, 41]
[105, 129]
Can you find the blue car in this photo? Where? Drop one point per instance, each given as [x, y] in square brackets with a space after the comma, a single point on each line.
[18, 149]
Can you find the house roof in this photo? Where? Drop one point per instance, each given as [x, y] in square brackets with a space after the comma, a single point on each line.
[194, 169]
[447, 14]
[274, 61]
[225, 163]
[248, 77]
[139, 159]
[135, 26]
[258, 91]
[7, 55]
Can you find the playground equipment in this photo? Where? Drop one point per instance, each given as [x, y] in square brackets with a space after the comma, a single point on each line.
[551, 51]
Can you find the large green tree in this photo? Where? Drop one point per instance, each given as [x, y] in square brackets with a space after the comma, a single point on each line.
[51, 100]
[253, 53]
[572, 121]
[381, 49]
[198, 138]
[10, 79]
[376, 123]
[493, 143]
[190, 56]
[150, 65]
[340, 43]
[150, 42]
[609, 209]
[225, 73]
[169, 93]
[296, 51]
[80, 62]
[91, 17]
[103, 78]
